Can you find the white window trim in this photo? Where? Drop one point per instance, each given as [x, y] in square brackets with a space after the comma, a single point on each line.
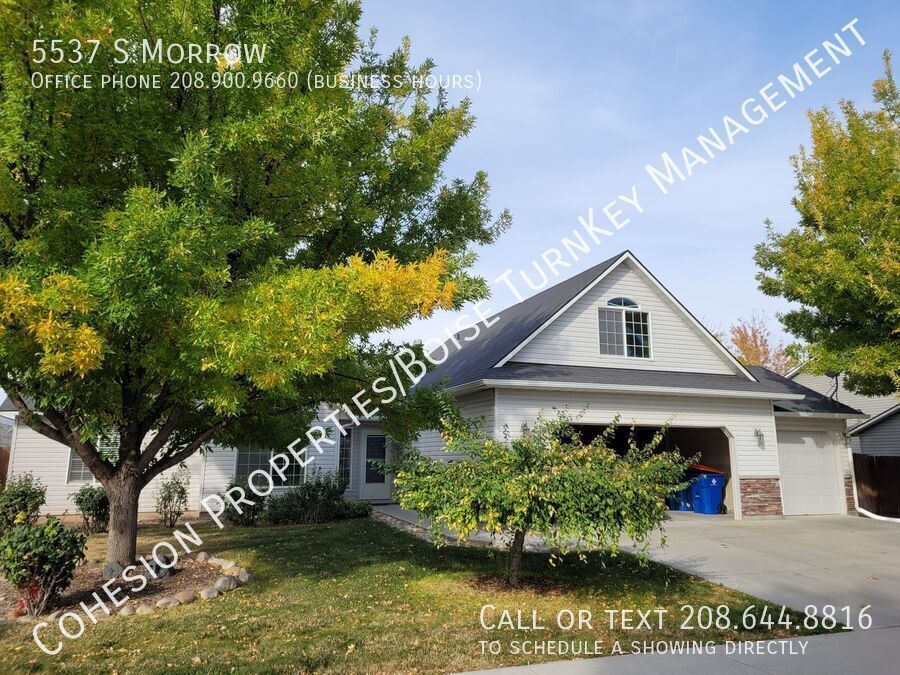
[234, 474]
[69, 481]
[621, 310]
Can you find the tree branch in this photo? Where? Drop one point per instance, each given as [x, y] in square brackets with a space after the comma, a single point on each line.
[35, 421]
[181, 455]
[157, 442]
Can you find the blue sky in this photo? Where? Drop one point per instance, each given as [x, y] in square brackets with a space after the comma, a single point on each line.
[577, 97]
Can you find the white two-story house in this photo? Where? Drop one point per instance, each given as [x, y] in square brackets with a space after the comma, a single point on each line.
[609, 342]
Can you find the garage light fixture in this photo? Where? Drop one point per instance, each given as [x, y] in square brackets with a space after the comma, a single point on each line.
[760, 438]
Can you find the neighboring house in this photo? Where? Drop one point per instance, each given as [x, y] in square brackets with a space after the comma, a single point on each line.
[877, 435]
[608, 342]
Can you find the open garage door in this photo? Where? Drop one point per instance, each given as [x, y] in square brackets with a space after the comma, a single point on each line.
[709, 446]
[809, 473]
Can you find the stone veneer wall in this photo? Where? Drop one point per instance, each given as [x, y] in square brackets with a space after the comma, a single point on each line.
[848, 491]
[760, 497]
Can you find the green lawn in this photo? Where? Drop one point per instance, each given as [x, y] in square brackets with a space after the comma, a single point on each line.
[358, 596]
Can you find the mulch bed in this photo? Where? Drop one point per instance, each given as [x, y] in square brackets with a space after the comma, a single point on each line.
[88, 579]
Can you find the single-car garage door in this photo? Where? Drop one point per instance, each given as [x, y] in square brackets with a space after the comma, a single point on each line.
[809, 483]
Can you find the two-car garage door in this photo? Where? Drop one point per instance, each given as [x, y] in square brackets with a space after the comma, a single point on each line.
[809, 473]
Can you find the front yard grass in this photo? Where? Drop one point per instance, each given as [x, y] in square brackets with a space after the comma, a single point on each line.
[358, 596]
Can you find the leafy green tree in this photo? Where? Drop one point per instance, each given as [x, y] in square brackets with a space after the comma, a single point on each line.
[842, 262]
[187, 265]
[546, 482]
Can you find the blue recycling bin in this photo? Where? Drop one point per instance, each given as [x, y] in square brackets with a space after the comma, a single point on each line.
[682, 500]
[707, 492]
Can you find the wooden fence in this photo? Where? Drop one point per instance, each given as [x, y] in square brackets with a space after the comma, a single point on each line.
[878, 484]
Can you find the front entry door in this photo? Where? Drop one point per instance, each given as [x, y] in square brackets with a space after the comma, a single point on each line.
[375, 485]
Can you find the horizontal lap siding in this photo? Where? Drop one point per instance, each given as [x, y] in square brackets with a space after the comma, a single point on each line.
[473, 406]
[574, 337]
[881, 439]
[48, 460]
[741, 417]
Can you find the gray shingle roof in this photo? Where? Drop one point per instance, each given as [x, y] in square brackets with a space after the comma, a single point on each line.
[475, 360]
[813, 401]
[515, 324]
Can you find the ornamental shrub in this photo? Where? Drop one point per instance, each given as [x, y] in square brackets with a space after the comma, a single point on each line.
[546, 482]
[39, 560]
[172, 496]
[20, 501]
[319, 500]
[93, 505]
[248, 516]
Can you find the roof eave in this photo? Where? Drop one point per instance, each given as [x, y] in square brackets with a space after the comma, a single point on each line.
[638, 389]
[824, 415]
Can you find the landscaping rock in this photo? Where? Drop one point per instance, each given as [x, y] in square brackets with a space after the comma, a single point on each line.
[225, 583]
[167, 603]
[185, 597]
[112, 570]
[126, 611]
[25, 619]
[244, 576]
[221, 562]
[144, 610]
[202, 556]
[55, 615]
[209, 593]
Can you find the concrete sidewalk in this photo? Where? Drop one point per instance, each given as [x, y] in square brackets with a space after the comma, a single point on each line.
[872, 652]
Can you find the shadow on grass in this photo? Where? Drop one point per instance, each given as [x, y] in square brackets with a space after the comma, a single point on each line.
[349, 548]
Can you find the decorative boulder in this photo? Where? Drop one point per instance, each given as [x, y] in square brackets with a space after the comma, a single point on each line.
[202, 556]
[112, 570]
[221, 562]
[167, 603]
[209, 593]
[225, 583]
[144, 610]
[185, 597]
[126, 611]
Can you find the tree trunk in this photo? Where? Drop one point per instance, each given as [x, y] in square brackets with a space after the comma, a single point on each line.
[123, 492]
[515, 557]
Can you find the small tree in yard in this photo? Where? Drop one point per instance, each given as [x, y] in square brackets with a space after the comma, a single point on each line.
[546, 482]
[39, 560]
[172, 496]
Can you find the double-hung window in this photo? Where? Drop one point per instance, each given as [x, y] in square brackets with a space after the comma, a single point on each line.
[252, 459]
[624, 329]
[78, 471]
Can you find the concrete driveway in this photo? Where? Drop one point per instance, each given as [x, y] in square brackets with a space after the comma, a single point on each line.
[797, 561]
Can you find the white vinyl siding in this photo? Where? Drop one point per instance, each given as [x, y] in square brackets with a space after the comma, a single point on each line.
[741, 418]
[477, 406]
[574, 337]
[48, 460]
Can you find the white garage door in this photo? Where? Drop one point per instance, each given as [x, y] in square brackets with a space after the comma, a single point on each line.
[809, 482]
